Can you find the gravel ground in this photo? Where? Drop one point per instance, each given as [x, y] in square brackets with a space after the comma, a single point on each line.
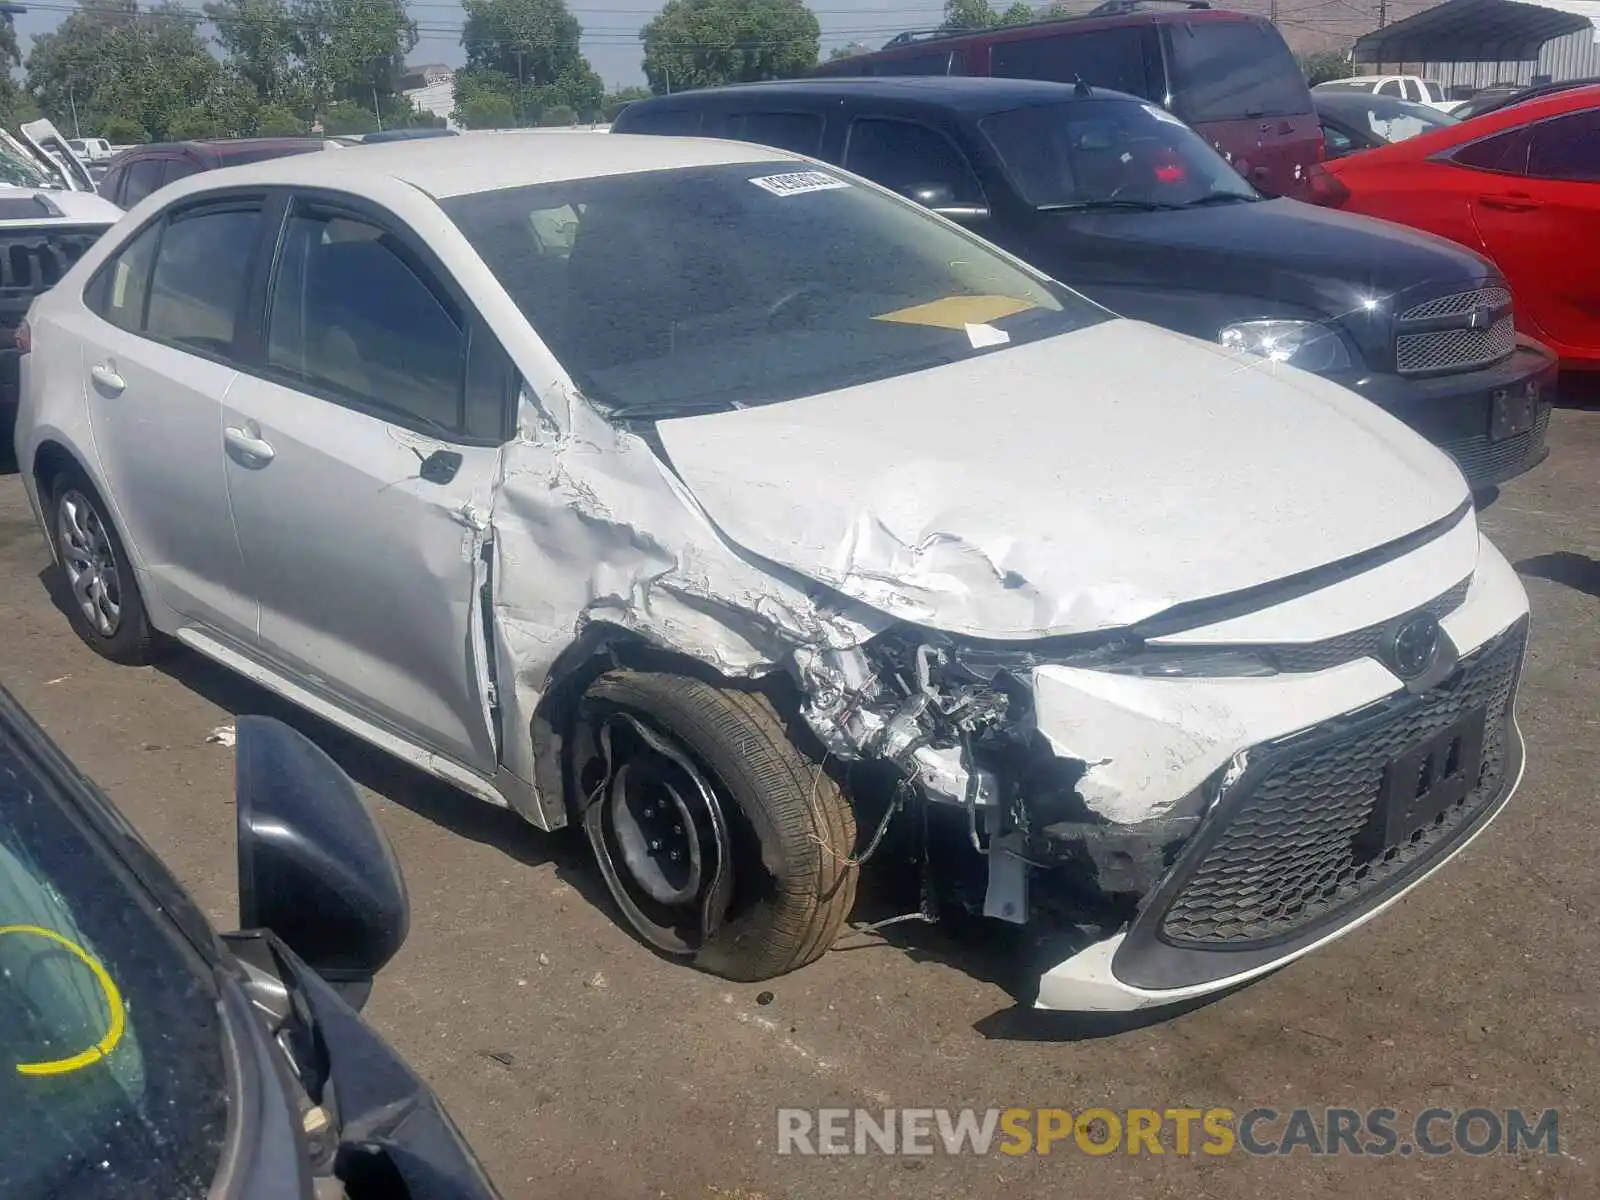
[579, 1064]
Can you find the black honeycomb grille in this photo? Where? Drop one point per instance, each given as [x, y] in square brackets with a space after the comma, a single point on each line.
[1289, 854]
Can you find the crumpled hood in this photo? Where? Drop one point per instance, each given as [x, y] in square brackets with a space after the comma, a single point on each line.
[1079, 483]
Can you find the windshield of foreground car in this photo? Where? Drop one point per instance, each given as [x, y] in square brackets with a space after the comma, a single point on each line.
[671, 292]
[112, 1084]
[1087, 154]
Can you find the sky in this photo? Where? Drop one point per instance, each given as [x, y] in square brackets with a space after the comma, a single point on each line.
[610, 27]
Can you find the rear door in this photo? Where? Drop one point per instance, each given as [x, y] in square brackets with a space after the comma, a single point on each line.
[1542, 226]
[363, 447]
[157, 338]
[1237, 84]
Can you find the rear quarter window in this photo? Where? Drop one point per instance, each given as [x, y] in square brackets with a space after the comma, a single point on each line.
[1108, 58]
[1232, 70]
[681, 122]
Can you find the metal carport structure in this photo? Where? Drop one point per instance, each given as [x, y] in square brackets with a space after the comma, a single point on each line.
[1478, 43]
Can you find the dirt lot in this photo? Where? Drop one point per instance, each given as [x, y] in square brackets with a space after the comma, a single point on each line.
[581, 1065]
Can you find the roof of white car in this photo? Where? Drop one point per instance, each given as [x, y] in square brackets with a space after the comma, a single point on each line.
[488, 161]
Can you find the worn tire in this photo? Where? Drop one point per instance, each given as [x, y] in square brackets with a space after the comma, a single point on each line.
[791, 812]
[134, 642]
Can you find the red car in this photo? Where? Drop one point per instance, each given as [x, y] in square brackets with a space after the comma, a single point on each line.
[1520, 185]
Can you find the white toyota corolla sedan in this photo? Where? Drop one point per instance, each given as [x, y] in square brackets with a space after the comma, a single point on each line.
[762, 523]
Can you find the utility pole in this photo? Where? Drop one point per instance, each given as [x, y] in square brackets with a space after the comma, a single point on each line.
[1383, 13]
[1273, 15]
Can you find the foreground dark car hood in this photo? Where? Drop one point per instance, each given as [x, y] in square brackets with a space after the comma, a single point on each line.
[1272, 251]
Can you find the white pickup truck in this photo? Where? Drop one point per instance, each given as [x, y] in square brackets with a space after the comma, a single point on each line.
[1401, 87]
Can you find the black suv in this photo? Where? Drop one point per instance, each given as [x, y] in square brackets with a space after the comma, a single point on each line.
[1122, 201]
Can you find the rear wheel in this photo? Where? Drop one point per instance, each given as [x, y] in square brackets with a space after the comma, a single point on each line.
[719, 839]
[103, 600]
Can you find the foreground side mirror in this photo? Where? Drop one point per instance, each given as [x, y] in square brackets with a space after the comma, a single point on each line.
[314, 868]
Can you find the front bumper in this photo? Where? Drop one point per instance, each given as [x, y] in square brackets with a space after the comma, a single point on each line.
[1284, 860]
[1456, 412]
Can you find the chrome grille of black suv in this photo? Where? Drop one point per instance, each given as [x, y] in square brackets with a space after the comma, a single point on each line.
[1463, 331]
[1291, 850]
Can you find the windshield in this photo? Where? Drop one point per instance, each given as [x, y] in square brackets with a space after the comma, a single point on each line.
[1227, 70]
[1393, 120]
[111, 1069]
[672, 292]
[1095, 153]
[16, 171]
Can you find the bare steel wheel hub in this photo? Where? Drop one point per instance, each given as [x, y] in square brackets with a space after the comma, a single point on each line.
[659, 834]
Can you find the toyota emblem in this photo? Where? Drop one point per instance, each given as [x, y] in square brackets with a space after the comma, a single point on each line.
[1415, 644]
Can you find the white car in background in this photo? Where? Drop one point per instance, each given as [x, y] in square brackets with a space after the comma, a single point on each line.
[757, 520]
[1400, 87]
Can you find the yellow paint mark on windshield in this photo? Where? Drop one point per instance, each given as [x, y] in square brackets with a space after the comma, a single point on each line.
[957, 312]
[117, 1022]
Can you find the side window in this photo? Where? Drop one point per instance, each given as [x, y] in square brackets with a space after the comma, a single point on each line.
[1504, 152]
[1414, 91]
[678, 121]
[143, 177]
[800, 133]
[912, 160]
[1110, 58]
[356, 317]
[1390, 87]
[1567, 148]
[198, 285]
[119, 291]
[179, 168]
[1337, 141]
[922, 64]
[109, 183]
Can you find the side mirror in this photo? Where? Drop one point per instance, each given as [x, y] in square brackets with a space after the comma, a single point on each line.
[314, 868]
[941, 198]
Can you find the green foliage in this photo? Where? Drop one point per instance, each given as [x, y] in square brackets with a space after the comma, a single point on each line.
[557, 116]
[121, 131]
[346, 116]
[1326, 65]
[614, 102]
[485, 110]
[705, 43]
[260, 38]
[110, 59]
[976, 14]
[274, 120]
[527, 50]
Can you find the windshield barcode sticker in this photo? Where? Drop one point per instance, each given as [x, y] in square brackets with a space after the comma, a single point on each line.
[797, 183]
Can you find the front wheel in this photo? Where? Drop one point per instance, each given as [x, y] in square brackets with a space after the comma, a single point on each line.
[718, 838]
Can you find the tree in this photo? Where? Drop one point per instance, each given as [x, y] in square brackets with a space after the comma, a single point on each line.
[122, 131]
[274, 120]
[346, 116]
[110, 59]
[527, 50]
[557, 116]
[259, 37]
[976, 14]
[486, 110]
[615, 102]
[969, 14]
[1325, 65]
[353, 51]
[704, 43]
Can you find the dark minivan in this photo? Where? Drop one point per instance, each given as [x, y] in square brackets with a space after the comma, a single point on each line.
[1119, 199]
[1228, 74]
[135, 173]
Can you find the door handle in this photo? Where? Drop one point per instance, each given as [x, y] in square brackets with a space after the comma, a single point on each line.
[248, 446]
[1510, 202]
[107, 380]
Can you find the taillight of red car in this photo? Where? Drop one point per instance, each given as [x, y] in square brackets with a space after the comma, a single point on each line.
[1323, 187]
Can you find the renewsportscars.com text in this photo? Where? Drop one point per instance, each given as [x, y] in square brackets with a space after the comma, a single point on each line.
[1261, 1132]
